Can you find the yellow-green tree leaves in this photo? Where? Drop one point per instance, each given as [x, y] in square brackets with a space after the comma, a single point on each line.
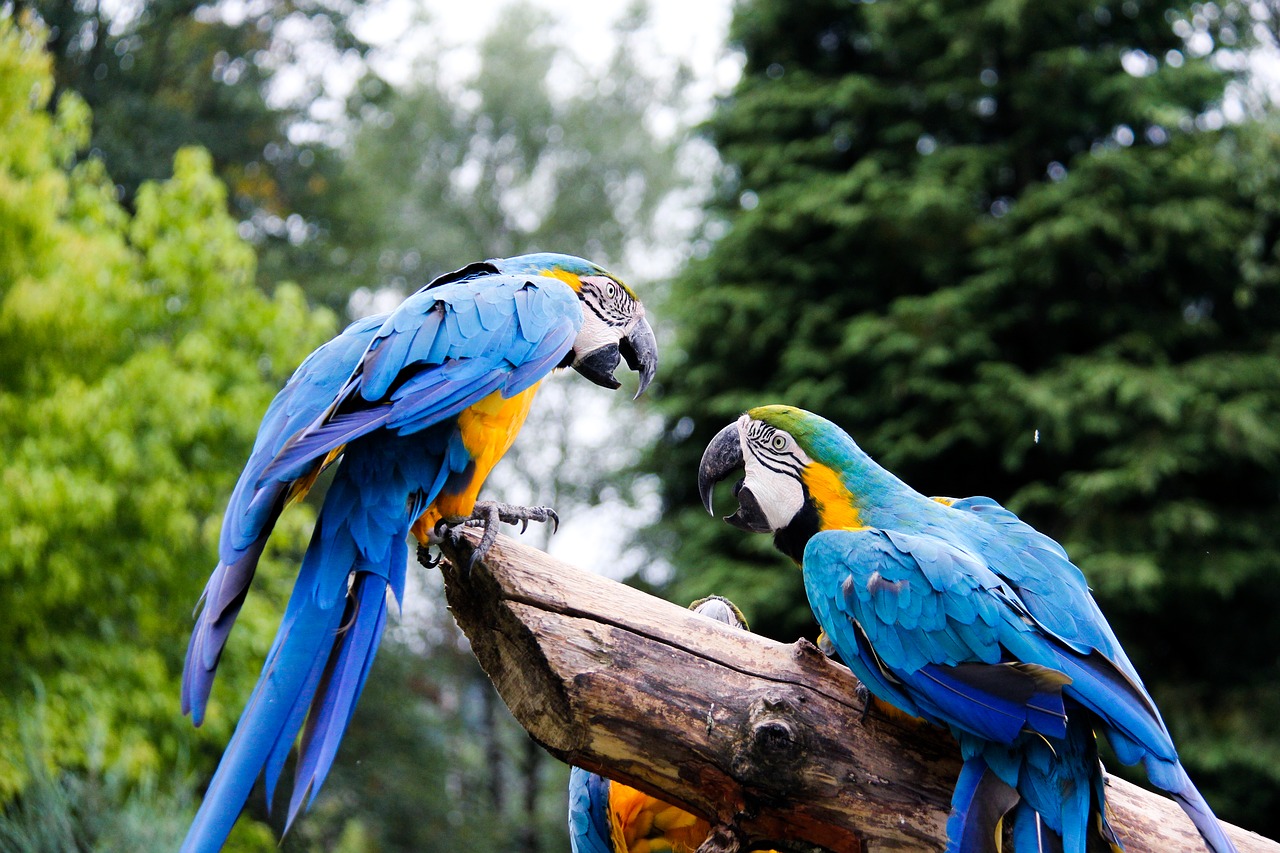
[136, 357]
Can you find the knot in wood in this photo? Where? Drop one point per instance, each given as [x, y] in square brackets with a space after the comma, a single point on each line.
[771, 748]
[773, 736]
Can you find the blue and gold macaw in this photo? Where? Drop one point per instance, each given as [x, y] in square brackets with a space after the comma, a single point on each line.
[610, 817]
[419, 404]
[958, 612]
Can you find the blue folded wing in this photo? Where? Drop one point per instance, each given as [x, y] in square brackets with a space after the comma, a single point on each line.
[252, 511]
[442, 350]
[935, 624]
[958, 641]
[1048, 584]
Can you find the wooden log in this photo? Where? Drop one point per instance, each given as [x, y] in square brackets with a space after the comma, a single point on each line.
[772, 743]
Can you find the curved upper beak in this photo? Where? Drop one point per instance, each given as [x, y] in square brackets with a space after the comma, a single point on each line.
[722, 457]
[640, 349]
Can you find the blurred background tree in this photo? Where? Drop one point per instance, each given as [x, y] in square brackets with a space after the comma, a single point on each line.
[500, 162]
[1027, 251]
[255, 83]
[135, 356]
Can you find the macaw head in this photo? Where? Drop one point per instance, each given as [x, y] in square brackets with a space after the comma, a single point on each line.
[613, 321]
[792, 485]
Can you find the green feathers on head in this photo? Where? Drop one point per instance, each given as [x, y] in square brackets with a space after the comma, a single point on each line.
[820, 438]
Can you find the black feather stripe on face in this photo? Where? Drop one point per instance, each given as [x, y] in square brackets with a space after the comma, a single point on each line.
[760, 443]
[614, 309]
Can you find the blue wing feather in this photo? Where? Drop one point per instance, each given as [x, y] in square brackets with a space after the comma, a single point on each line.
[979, 620]
[1049, 585]
[252, 511]
[979, 659]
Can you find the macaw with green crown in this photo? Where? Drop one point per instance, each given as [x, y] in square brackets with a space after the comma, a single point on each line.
[958, 612]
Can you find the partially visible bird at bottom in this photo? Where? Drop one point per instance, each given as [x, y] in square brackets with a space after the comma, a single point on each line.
[610, 817]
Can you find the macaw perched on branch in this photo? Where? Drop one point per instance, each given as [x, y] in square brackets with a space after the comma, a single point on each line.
[419, 405]
[609, 817]
[958, 612]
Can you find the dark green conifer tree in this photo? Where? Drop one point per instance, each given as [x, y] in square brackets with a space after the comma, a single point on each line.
[1015, 250]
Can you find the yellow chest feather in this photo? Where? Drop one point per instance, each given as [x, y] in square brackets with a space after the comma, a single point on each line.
[643, 824]
[488, 430]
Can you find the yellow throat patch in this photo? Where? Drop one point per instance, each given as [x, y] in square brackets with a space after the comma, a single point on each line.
[836, 509]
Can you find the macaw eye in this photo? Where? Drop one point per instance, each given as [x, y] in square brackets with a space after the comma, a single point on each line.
[779, 442]
[608, 290]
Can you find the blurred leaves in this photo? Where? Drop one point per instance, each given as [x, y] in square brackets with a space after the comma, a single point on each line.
[91, 809]
[531, 152]
[249, 82]
[137, 355]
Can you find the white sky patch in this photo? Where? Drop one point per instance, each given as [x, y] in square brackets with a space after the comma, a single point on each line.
[693, 33]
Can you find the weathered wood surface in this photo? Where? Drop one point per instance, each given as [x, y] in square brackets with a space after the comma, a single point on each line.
[768, 741]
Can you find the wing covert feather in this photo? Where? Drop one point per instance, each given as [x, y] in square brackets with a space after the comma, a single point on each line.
[974, 656]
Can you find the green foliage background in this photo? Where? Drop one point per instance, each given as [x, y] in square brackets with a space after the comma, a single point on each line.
[137, 355]
[1009, 266]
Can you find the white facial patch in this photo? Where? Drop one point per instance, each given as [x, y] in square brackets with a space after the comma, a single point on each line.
[773, 463]
[595, 333]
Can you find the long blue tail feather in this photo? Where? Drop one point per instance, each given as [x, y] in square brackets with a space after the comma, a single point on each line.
[294, 671]
[1172, 777]
[268, 720]
[343, 682]
[213, 626]
[1030, 835]
[979, 802]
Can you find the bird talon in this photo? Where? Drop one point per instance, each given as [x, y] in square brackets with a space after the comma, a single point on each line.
[864, 696]
[426, 559]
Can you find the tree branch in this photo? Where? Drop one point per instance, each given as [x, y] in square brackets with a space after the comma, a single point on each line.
[770, 742]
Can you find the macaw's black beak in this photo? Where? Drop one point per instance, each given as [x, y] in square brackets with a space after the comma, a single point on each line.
[722, 457]
[639, 348]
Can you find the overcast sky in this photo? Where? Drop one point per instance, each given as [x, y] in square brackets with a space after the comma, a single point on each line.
[692, 31]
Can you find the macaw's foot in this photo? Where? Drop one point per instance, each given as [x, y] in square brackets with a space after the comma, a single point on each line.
[827, 647]
[486, 515]
[864, 696]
